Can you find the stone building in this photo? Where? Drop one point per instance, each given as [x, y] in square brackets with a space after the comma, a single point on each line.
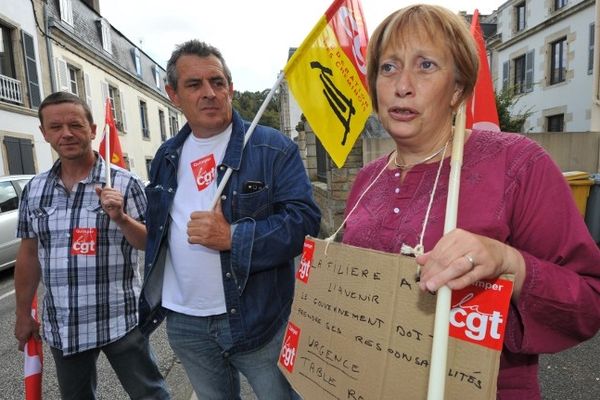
[51, 45]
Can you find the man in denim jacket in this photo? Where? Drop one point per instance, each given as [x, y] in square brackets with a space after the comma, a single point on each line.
[223, 276]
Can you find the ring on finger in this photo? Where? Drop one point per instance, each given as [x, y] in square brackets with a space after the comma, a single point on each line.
[470, 260]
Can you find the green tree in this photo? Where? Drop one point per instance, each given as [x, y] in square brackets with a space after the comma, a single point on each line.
[510, 120]
[248, 103]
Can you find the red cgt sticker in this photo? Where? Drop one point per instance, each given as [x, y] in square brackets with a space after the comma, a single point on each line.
[84, 242]
[289, 349]
[306, 261]
[204, 169]
[479, 312]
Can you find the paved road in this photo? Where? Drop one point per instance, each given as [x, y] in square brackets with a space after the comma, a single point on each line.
[573, 374]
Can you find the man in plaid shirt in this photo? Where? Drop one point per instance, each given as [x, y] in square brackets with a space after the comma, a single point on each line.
[82, 238]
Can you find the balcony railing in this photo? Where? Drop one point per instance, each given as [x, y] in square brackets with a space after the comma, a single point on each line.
[10, 90]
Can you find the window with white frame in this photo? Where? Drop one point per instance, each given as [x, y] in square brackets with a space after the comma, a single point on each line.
[105, 33]
[116, 101]
[7, 62]
[161, 122]
[156, 76]
[66, 11]
[137, 61]
[591, 49]
[18, 70]
[173, 123]
[558, 61]
[144, 120]
[73, 79]
[148, 165]
[520, 17]
[517, 74]
[69, 77]
[558, 4]
[128, 161]
[555, 123]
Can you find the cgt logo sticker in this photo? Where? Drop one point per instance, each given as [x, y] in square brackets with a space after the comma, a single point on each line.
[289, 349]
[479, 312]
[84, 242]
[204, 170]
[306, 261]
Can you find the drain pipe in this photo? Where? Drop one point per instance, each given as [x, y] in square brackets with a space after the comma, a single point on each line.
[49, 48]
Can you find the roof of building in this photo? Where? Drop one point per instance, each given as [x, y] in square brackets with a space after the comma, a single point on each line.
[87, 30]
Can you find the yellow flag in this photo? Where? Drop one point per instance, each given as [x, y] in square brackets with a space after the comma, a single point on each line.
[327, 76]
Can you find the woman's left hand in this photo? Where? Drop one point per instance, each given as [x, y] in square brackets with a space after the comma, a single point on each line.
[461, 258]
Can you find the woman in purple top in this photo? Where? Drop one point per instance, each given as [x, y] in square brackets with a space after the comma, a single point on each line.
[516, 214]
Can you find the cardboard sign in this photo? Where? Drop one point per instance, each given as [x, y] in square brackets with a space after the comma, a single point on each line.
[360, 328]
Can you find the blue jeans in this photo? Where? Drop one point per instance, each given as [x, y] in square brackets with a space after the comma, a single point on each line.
[202, 344]
[132, 360]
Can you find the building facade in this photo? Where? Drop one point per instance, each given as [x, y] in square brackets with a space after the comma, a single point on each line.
[23, 84]
[52, 45]
[93, 60]
[543, 50]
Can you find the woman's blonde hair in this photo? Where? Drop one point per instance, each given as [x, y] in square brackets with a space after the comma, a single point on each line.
[440, 24]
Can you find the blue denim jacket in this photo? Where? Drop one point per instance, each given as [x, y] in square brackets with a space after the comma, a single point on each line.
[269, 226]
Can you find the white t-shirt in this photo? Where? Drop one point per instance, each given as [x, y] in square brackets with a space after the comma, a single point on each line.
[193, 283]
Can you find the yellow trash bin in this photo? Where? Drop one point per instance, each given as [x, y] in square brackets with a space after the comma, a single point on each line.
[580, 183]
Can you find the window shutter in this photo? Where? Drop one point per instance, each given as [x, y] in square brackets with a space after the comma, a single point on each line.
[529, 64]
[20, 155]
[505, 72]
[62, 75]
[105, 32]
[88, 89]
[591, 49]
[104, 89]
[31, 70]
[122, 98]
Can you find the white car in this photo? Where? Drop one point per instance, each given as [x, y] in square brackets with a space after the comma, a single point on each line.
[11, 187]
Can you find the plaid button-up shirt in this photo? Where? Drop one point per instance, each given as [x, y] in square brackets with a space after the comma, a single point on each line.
[88, 268]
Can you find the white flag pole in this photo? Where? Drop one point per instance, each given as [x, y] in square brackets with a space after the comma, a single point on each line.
[249, 132]
[107, 154]
[439, 351]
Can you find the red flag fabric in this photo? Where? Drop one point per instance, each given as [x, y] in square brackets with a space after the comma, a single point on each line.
[116, 154]
[33, 362]
[481, 107]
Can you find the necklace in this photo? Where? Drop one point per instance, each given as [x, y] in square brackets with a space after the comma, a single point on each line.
[408, 166]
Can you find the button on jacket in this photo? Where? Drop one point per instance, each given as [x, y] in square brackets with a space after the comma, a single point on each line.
[269, 223]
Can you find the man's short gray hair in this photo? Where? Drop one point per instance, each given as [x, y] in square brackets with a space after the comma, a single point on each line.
[196, 48]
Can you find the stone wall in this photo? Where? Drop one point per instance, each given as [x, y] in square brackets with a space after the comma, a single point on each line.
[331, 195]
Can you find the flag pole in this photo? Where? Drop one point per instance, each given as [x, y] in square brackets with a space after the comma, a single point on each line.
[249, 132]
[34, 360]
[439, 350]
[107, 155]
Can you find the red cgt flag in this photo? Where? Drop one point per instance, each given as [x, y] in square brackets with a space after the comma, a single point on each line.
[116, 154]
[481, 107]
[34, 357]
